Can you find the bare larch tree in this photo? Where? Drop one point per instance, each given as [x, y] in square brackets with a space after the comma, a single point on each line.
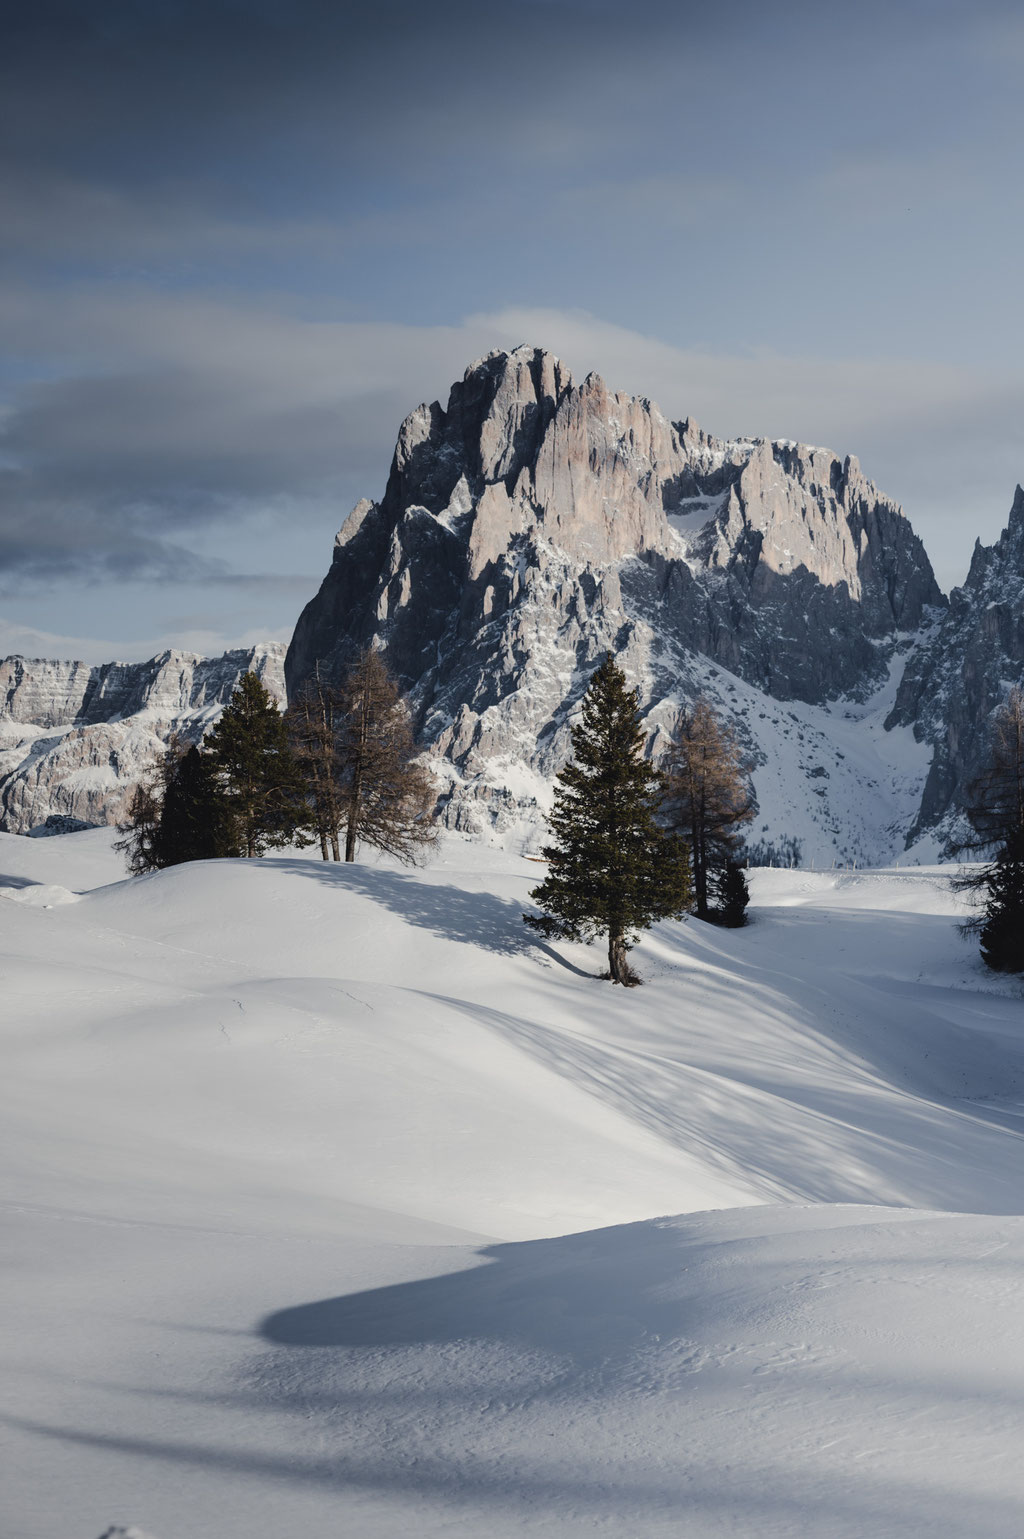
[709, 796]
[385, 795]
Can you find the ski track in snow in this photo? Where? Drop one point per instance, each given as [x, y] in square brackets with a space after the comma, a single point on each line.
[334, 1202]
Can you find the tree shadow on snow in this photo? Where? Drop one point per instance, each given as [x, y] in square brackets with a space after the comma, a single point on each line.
[475, 917]
[19, 881]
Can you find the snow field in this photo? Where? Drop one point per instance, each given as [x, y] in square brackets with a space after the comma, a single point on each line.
[333, 1204]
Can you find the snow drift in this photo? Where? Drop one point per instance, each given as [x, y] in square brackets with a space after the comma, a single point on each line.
[335, 1201]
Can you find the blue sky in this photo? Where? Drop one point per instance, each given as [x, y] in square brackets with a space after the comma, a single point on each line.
[241, 239]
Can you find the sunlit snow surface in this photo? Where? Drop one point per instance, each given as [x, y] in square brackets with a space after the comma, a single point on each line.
[331, 1205]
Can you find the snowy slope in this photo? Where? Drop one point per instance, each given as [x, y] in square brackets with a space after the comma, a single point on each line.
[332, 1205]
[829, 780]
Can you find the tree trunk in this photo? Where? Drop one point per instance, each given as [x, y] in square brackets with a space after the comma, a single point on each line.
[354, 805]
[323, 845]
[618, 965]
[335, 852]
[700, 881]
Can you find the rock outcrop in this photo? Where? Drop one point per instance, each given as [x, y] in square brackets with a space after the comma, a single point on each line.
[533, 523]
[75, 739]
[961, 672]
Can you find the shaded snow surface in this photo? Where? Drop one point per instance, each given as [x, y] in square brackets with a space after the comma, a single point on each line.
[332, 1205]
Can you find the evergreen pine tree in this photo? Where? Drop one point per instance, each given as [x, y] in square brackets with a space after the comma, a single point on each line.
[195, 822]
[611, 869]
[709, 796]
[730, 896]
[384, 795]
[1002, 928]
[139, 829]
[259, 779]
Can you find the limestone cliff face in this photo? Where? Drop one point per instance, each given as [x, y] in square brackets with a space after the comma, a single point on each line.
[962, 671]
[534, 522]
[525, 470]
[76, 739]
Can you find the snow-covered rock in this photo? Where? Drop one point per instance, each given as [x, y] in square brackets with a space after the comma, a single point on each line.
[76, 739]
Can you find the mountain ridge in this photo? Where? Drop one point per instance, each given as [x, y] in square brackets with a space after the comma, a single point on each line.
[533, 524]
[75, 738]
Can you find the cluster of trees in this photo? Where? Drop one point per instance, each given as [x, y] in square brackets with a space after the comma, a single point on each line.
[338, 765]
[632, 844]
[995, 813]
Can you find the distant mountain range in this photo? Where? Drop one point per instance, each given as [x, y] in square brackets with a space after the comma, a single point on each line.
[534, 523]
[75, 739]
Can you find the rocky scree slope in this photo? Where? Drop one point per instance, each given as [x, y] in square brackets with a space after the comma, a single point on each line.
[535, 522]
[75, 739]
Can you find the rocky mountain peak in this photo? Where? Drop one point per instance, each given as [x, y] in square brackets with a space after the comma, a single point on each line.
[533, 521]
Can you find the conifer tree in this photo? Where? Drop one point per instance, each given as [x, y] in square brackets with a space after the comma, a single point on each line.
[385, 796]
[195, 821]
[139, 829]
[709, 796]
[256, 770]
[1002, 927]
[730, 896]
[611, 869]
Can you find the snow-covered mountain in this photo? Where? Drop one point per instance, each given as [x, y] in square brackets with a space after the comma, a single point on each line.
[75, 739]
[534, 523]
